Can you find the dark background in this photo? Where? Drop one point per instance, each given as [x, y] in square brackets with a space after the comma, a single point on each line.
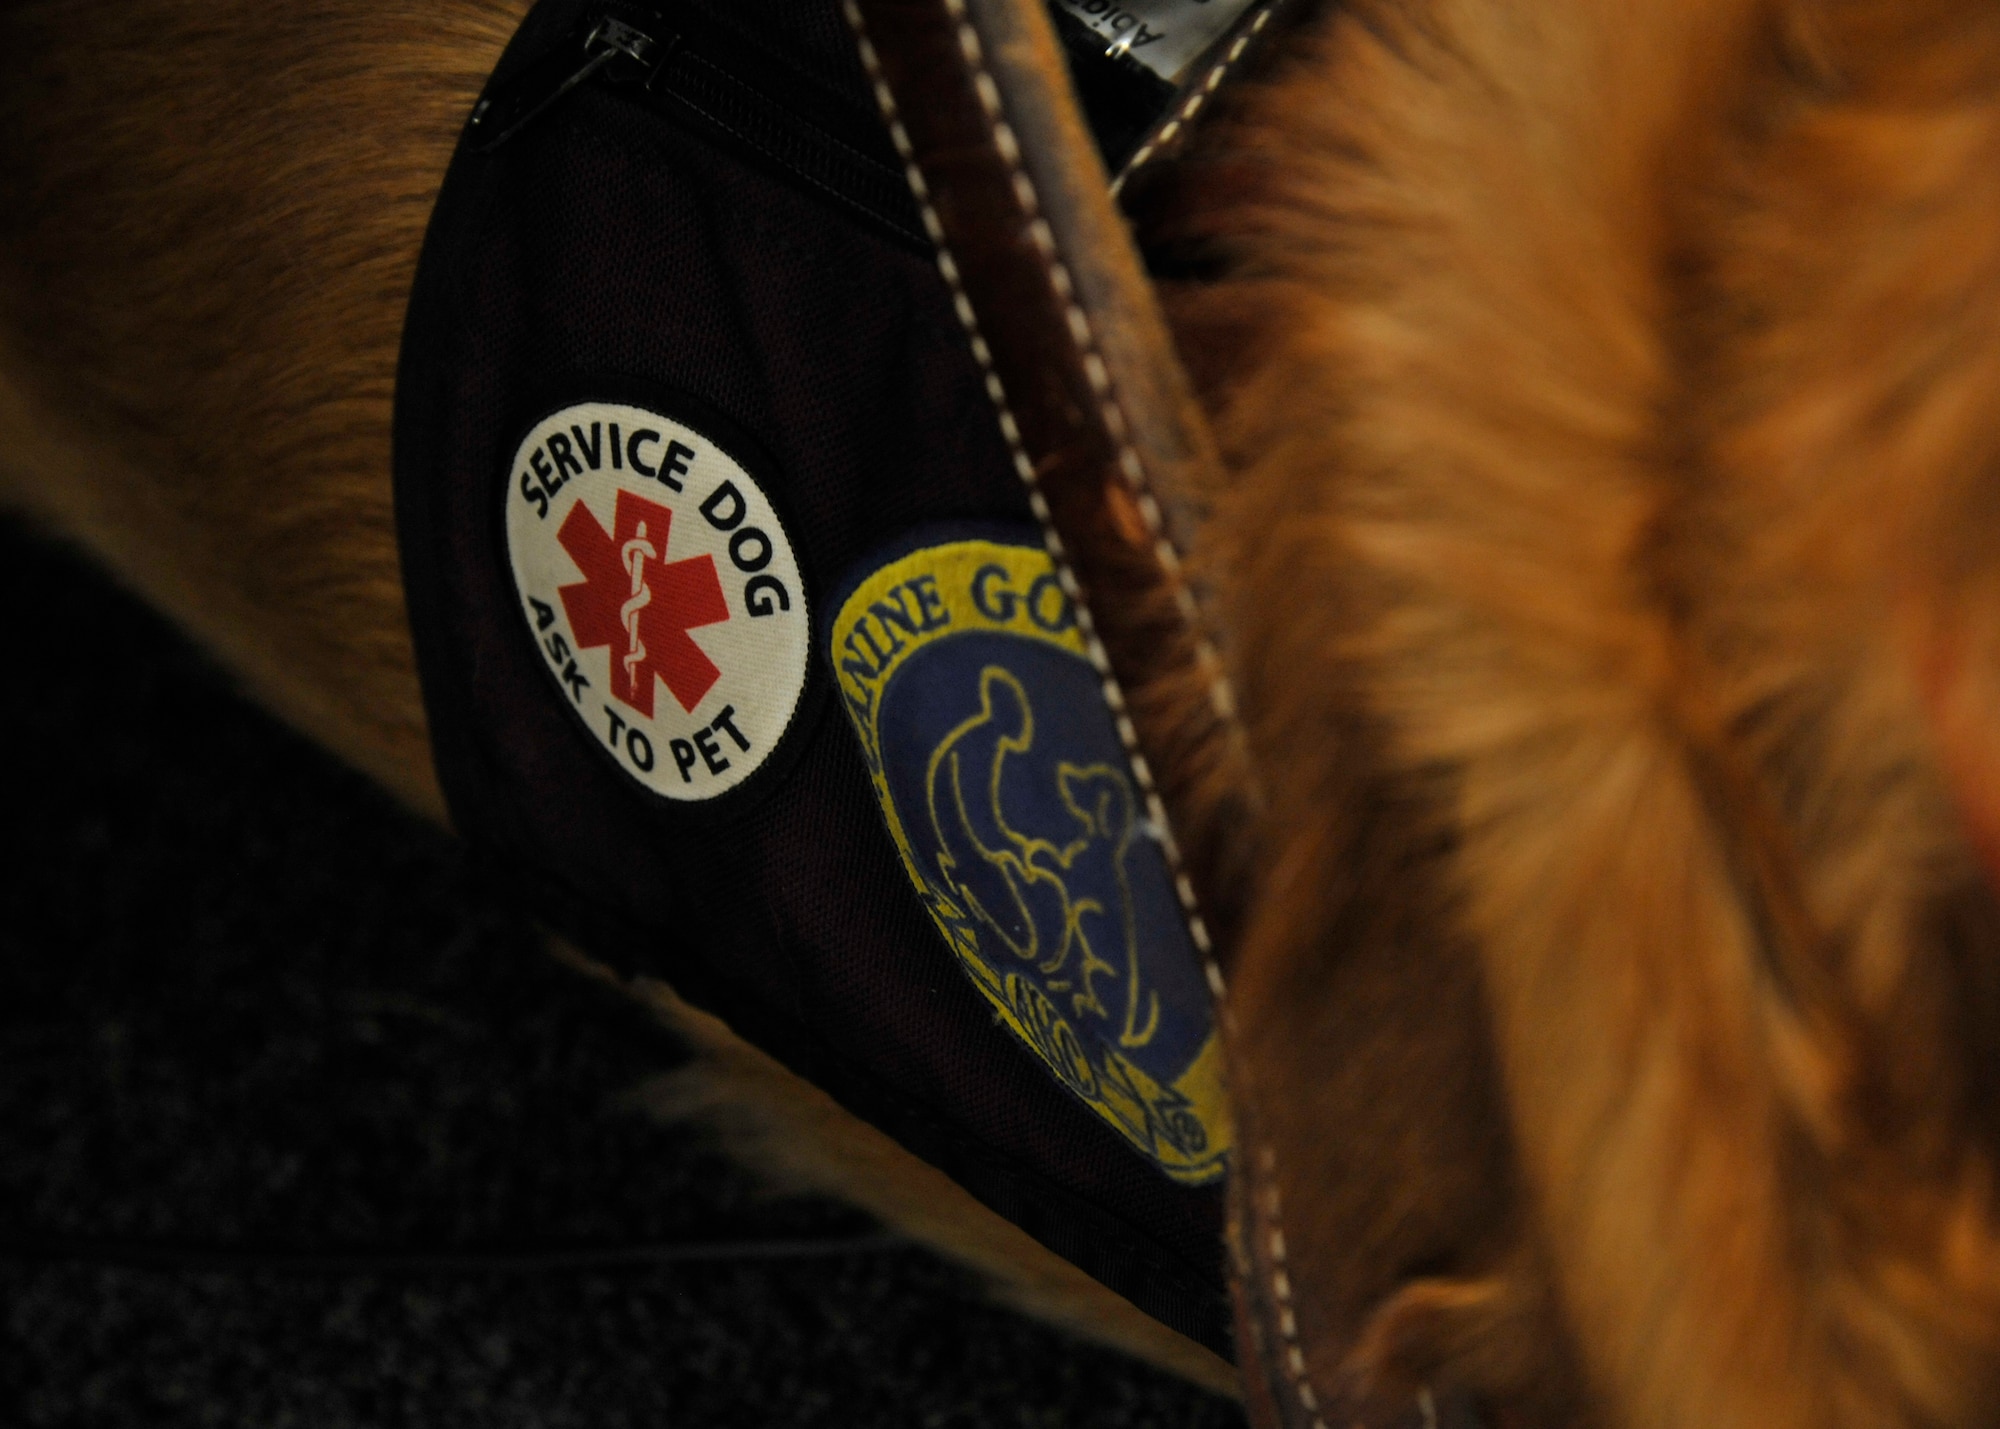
[299, 1126]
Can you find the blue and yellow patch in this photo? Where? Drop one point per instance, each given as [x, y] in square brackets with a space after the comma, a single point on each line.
[1007, 792]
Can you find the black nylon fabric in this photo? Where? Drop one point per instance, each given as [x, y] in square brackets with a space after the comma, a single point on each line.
[606, 249]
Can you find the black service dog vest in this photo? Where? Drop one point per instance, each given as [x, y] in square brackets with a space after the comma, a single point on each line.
[747, 659]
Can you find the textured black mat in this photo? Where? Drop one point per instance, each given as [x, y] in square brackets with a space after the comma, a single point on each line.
[248, 1009]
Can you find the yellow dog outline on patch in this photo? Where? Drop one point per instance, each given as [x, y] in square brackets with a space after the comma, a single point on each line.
[1027, 947]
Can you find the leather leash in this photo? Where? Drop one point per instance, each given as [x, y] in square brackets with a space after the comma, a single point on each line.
[1105, 432]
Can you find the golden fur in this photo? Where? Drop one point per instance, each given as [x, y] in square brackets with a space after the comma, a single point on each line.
[1620, 421]
[1611, 396]
[209, 219]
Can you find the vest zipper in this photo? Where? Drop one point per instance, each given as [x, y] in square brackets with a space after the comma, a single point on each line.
[511, 107]
[703, 80]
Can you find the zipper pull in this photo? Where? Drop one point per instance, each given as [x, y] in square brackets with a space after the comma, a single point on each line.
[501, 115]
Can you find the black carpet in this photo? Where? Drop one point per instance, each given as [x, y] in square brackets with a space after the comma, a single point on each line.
[299, 1127]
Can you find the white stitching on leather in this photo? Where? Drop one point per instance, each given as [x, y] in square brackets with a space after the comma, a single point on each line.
[1221, 697]
[1113, 416]
[1280, 1283]
[1163, 137]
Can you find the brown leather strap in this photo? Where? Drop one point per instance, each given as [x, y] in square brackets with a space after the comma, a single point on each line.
[1285, 1381]
[1106, 434]
[1103, 426]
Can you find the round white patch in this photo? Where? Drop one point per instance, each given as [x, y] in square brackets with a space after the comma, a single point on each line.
[662, 592]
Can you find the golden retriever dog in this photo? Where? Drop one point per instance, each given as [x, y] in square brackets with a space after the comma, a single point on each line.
[1608, 559]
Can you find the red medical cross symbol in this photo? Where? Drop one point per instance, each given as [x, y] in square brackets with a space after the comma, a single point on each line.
[605, 608]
